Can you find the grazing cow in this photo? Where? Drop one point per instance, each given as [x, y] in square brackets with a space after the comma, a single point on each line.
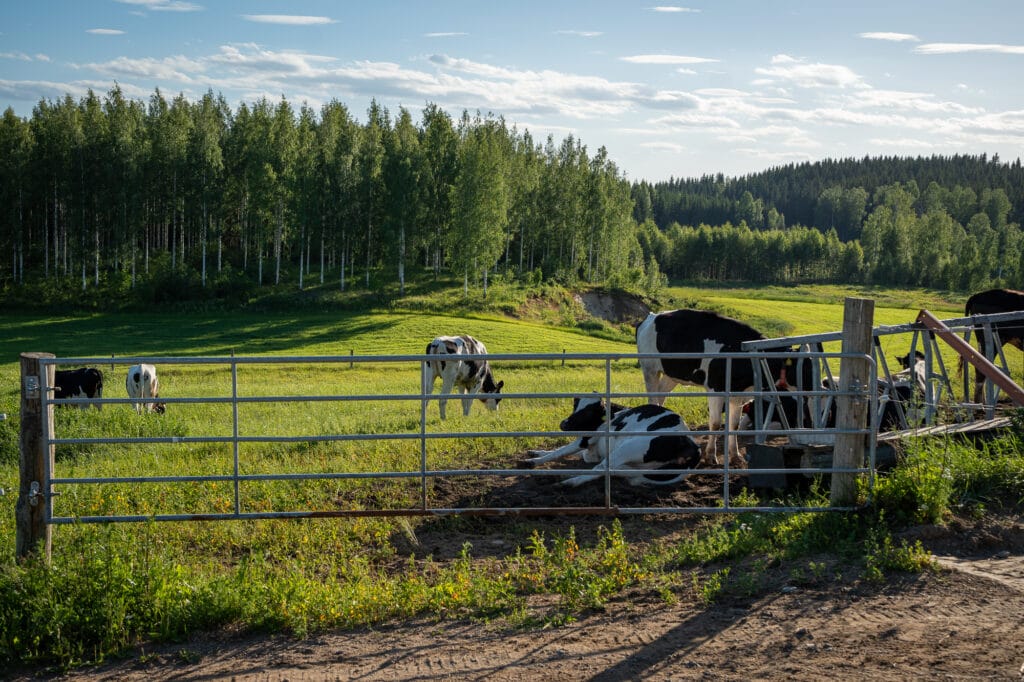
[84, 383]
[659, 441]
[142, 383]
[698, 331]
[467, 376]
[988, 303]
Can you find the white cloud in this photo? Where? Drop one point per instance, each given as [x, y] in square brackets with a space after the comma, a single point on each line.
[663, 146]
[913, 101]
[42, 57]
[581, 34]
[168, 70]
[288, 19]
[164, 5]
[686, 72]
[805, 75]
[665, 59]
[903, 142]
[959, 48]
[697, 120]
[20, 56]
[674, 9]
[105, 31]
[893, 37]
[449, 34]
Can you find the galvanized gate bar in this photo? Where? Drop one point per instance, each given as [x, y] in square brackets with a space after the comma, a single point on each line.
[424, 474]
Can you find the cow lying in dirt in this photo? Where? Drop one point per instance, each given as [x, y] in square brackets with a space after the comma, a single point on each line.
[660, 441]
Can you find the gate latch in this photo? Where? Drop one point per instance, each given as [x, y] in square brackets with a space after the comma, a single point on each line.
[31, 387]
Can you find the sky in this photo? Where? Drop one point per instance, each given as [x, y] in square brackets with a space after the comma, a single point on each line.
[670, 90]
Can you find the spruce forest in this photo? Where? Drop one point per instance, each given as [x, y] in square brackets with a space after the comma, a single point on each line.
[177, 199]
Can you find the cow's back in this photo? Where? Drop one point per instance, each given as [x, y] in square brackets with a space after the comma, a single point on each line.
[996, 301]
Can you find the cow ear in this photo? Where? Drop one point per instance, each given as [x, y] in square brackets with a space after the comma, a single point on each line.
[500, 384]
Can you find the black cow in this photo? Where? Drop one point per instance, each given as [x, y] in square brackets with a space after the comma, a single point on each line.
[84, 383]
[658, 440]
[699, 331]
[989, 303]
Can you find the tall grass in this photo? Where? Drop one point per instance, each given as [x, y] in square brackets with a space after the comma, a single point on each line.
[111, 586]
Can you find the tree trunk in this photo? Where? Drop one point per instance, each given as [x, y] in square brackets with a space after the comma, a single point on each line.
[401, 261]
[278, 231]
[203, 241]
[302, 245]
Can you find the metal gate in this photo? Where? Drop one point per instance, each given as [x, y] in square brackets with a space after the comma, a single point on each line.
[236, 433]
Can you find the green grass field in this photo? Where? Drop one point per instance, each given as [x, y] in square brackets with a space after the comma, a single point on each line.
[794, 312]
[173, 578]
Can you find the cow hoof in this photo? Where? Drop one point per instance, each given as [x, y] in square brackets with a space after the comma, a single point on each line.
[526, 464]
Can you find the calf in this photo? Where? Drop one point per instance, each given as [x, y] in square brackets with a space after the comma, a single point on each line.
[1011, 332]
[142, 383]
[580, 446]
[699, 331]
[84, 383]
[658, 440]
[467, 376]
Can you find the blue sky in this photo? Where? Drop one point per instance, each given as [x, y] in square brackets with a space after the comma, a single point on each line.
[669, 89]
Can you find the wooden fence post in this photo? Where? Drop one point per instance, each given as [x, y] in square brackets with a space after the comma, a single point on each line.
[852, 410]
[32, 533]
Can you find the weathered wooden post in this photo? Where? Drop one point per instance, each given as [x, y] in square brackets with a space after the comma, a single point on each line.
[32, 533]
[853, 402]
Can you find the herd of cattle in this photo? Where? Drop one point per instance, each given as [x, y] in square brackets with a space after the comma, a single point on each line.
[659, 437]
[86, 384]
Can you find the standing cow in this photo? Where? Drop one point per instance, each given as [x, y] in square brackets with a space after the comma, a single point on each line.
[467, 376]
[989, 303]
[84, 383]
[142, 383]
[699, 331]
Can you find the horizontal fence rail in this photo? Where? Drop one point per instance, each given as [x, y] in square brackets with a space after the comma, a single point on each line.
[239, 433]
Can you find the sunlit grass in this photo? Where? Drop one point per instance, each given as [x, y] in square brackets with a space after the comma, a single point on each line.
[110, 585]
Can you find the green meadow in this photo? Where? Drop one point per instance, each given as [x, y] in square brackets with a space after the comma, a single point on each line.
[111, 586]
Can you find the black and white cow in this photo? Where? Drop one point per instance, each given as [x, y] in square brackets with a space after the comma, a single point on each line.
[142, 383]
[580, 446]
[659, 440]
[84, 383]
[989, 303]
[467, 376]
[699, 331]
[913, 370]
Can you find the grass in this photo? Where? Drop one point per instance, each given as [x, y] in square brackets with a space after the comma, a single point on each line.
[111, 586]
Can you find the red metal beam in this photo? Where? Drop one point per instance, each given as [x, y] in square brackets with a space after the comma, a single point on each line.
[973, 356]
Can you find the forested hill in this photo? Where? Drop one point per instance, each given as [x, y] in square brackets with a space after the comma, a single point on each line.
[817, 194]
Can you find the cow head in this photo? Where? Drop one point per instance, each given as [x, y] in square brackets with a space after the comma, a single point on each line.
[491, 392]
[905, 362]
[588, 413]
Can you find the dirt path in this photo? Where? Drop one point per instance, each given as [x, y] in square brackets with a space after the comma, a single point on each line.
[961, 622]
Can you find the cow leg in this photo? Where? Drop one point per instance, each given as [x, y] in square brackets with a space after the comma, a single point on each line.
[629, 452]
[656, 381]
[542, 456]
[734, 409]
[467, 401]
[715, 406]
[446, 388]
